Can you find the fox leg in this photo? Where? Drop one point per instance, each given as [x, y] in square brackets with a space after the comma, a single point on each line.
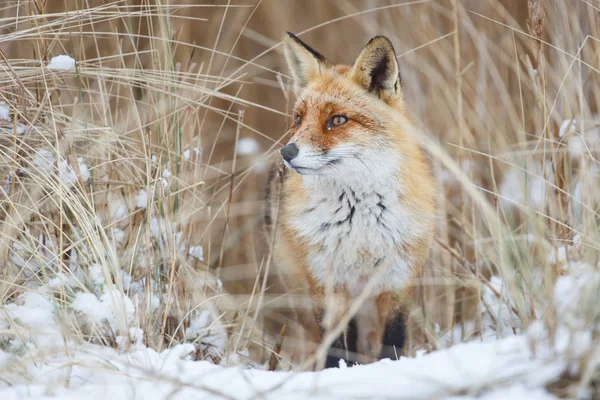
[333, 310]
[393, 308]
[370, 323]
[381, 328]
[394, 338]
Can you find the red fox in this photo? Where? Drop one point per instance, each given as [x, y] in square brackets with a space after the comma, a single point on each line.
[353, 205]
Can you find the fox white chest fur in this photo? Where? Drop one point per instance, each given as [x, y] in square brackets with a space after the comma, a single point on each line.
[353, 229]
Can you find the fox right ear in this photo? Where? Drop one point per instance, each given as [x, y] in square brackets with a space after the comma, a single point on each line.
[377, 70]
[304, 62]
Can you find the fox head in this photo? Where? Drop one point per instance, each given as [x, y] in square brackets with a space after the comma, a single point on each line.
[345, 119]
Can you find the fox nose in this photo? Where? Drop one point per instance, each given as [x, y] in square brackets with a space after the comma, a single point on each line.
[289, 151]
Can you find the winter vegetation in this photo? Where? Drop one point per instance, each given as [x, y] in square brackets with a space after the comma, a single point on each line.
[135, 139]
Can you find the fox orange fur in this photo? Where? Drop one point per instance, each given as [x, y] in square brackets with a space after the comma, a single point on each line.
[354, 199]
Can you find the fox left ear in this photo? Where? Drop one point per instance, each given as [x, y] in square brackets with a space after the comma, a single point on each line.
[304, 62]
[377, 70]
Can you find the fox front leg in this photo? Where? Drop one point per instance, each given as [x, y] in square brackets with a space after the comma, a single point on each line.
[381, 328]
[370, 323]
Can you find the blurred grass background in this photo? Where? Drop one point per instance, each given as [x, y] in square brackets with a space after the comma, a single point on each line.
[189, 101]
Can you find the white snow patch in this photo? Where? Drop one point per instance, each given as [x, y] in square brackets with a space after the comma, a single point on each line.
[567, 127]
[4, 111]
[154, 302]
[118, 235]
[186, 154]
[113, 307]
[134, 340]
[95, 274]
[164, 182]
[118, 208]
[208, 329]
[8, 181]
[141, 200]
[62, 63]
[503, 320]
[516, 184]
[247, 146]
[197, 252]
[43, 159]
[68, 174]
[504, 369]
[166, 173]
[33, 314]
[19, 129]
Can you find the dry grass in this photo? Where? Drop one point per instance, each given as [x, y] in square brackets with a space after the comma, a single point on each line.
[174, 86]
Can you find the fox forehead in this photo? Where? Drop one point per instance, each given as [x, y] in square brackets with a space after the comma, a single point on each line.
[334, 90]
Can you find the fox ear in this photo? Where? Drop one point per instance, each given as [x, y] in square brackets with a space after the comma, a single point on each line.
[304, 62]
[377, 70]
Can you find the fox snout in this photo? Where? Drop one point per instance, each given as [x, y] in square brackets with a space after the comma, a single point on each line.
[289, 151]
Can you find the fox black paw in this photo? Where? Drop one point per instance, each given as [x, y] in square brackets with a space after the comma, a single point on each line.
[393, 343]
[339, 351]
[394, 338]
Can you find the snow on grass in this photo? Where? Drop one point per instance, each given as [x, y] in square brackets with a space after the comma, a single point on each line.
[521, 188]
[197, 252]
[567, 127]
[39, 359]
[4, 111]
[110, 307]
[68, 174]
[31, 315]
[118, 208]
[44, 159]
[247, 146]
[491, 370]
[141, 199]
[19, 129]
[62, 63]
[518, 366]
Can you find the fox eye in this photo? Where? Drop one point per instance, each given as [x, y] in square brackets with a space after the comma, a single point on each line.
[336, 120]
[297, 119]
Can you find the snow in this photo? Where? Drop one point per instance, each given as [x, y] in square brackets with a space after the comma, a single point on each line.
[164, 182]
[197, 252]
[492, 370]
[567, 127]
[33, 314]
[516, 184]
[68, 174]
[111, 307]
[95, 274]
[4, 111]
[118, 208]
[186, 154]
[118, 235]
[61, 63]
[18, 129]
[141, 200]
[247, 146]
[40, 360]
[43, 159]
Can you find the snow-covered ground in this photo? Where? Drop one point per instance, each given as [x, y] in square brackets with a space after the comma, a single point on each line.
[40, 362]
[503, 369]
